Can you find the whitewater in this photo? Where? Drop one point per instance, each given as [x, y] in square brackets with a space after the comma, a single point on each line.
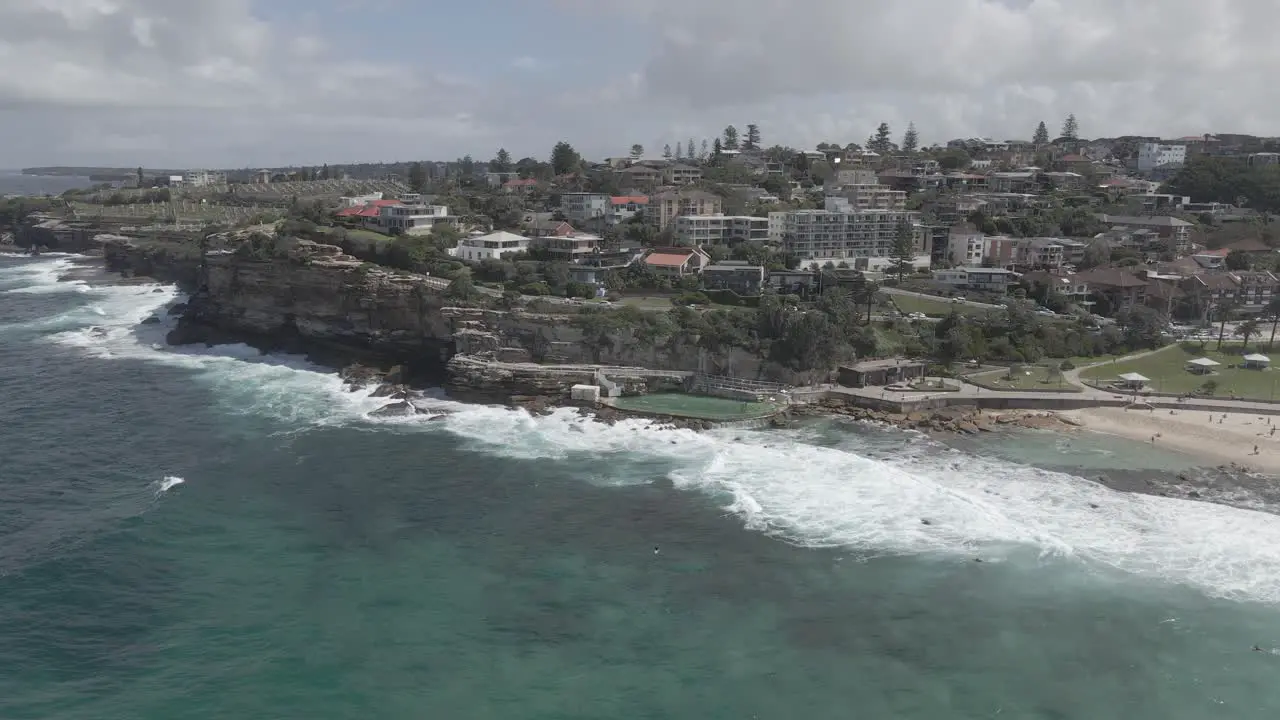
[929, 500]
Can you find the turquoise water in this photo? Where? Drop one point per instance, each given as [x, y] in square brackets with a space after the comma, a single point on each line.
[314, 563]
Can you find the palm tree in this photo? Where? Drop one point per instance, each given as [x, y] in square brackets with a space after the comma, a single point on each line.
[1246, 330]
[1272, 310]
[1224, 311]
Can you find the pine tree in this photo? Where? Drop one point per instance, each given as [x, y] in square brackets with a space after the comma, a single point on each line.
[730, 138]
[717, 149]
[753, 138]
[417, 177]
[911, 139]
[666, 151]
[679, 152]
[1041, 136]
[881, 142]
[501, 162]
[689, 152]
[637, 151]
[1070, 128]
[564, 159]
[703, 155]
[904, 250]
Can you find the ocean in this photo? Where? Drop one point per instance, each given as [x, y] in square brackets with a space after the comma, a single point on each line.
[13, 182]
[213, 533]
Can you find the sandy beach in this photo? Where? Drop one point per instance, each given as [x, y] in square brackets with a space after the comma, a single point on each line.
[1220, 437]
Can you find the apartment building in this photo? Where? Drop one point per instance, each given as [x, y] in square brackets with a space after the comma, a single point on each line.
[1073, 287]
[1176, 232]
[202, 178]
[977, 278]
[966, 246]
[412, 219]
[696, 230]
[736, 275]
[665, 207]
[581, 207]
[1158, 156]
[865, 236]
[1039, 253]
[680, 174]
[872, 196]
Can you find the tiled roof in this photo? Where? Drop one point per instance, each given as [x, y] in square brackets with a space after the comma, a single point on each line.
[517, 182]
[1111, 277]
[628, 199]
[667, 259]
[369, 209]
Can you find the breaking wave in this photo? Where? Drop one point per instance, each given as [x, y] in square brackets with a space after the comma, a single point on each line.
[926, 499]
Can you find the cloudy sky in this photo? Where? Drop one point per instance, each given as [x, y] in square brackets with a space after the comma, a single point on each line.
[237, 83]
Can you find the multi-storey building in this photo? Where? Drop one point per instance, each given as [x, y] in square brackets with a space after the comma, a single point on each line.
[873, 197]
[1157, 156]
[584, 207]
[966, 246]
[665, 207]
[493, 246]
[624, 207]
[568, 248]
[865, 236]
[695, 230]
[201, 178]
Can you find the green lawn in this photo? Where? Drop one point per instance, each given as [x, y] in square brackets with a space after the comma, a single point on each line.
[1031, 378]
[1168, 374]
[935, 308]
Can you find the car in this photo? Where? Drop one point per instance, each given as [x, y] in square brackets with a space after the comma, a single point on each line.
[918, 316]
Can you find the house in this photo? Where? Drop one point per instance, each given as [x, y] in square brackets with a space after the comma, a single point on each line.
[1250, 246]
[412, 219]
[521, 186]
[1013, 182]
[736, 275]
[1158, 156]
[664, 208]
[572, 247]
[1255, 289]
[493, 246]
[878, 373]
[675, 263]
[624, 207]
[1122, 289]
[792, 281]
[1166, 227]
[540, 227]
[1072, 250]
[680, 174]
[261, 177]
[1073, 287]
[977, 278]
[639, 176]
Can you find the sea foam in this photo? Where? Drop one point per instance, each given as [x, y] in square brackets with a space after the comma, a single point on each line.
[927, 500]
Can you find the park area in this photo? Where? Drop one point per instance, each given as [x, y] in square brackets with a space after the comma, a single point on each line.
[941, 307]
[1166, 372]
[1025, 378]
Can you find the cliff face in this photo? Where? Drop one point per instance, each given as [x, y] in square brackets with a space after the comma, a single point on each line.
[313, 298]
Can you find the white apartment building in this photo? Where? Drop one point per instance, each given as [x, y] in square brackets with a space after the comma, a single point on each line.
[201, 178]
[864, 235]
[872, 197]
[777, 223]
[1157, 156]
[697, 230]
[493, 246]
[412, 219]
[966, 247]
[856, 176]
[624, 207]
[584, 207]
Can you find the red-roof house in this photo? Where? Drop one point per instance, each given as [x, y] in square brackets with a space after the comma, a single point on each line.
[520, 185]
[675, 263]
[368, 210]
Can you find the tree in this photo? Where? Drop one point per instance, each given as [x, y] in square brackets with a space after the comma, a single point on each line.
[666, 151]
[689, 152]
[911, 139]
[1246, 330]
[637, 151]
[904, 250]
[716, 150]
[462, 288]
[1237, 260]
[140, 181]
[1071, 128]
[753, 138]
[501, 162]
[703, 155]
[417, 177]
[954, 159]
[1224, 311]
[881, 143]
[730, 138]
[467, 166]
[564, 159]
[1272, 311]
[1041, 136]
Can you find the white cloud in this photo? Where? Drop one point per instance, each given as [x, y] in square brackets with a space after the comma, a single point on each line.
[208, 83]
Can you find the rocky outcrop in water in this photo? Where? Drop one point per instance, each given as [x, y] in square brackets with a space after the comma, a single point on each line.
[957, 419]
